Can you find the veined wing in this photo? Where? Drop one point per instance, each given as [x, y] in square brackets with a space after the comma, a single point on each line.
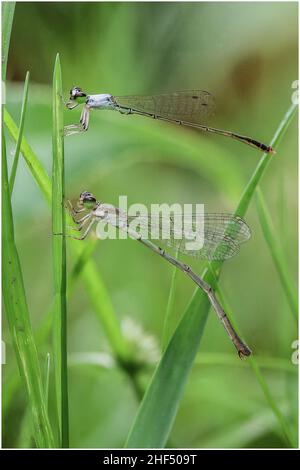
[223, 233]
[191, 106]
[214, 225]
[214, 248]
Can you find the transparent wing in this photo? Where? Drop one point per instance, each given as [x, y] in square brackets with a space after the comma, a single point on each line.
[213, 248]
[191, 106]
[223, 233]
[214, 225]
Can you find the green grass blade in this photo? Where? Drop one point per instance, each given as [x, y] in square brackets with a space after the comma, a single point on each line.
[12, 383]
[20, 135]
[19, 319]
[168, 328]
[159, 406]
[8, 10]
[277, 253]
[254, 364]
[264, 162]
[95, 286]
[157, 411]
[59, 260]
[292, 441]
[36, 168]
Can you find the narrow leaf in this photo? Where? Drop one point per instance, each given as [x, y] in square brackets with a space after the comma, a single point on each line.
[20, 135]
[8, 10]
[157, 411]
[59, 260]
[19, 319]
[277, 253]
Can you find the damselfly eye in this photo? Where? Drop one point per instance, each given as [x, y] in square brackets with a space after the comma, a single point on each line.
[76, 92]
[88, 200]
[73, 92]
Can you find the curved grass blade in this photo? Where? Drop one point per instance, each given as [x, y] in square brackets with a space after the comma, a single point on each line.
[277, 253]
[254, 364]
[168, 327]
[59, 261]
[157, 411]
[36, 168]
[19, 319]
[20, 135]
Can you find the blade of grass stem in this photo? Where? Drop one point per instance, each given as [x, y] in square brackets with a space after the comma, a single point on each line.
[291, 439]
[167, 328]
[19, 319]
[8, 10]
[158, 408]
[155, 416]
[59, 260]
[287, 433]
[42, 332]
[20, 135]
[36, 168]
[277, 253]
[95, 287]
[264, 161]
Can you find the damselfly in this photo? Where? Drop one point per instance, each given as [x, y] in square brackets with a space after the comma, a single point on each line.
[223, 234]
[187, 108]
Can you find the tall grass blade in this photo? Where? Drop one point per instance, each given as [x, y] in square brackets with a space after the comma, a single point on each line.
[12, 383]
[96, 289]
[59, 260]
[36, 168]
[290, 438]
[255, 366]
[157, 411]
[8, 10]
[277, 253]
[168, 321]
[20, 135]
[264, 161]
[19, 319]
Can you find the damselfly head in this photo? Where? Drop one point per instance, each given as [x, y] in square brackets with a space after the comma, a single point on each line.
[87, 200]
[76, 94]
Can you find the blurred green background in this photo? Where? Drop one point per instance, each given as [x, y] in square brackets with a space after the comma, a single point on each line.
[245, 54]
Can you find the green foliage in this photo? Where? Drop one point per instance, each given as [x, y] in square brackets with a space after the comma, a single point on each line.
[20, 135]
[59, 260]
[152, 426]
[8, 9]
[19, 320]
[233, 51]
[277, 254]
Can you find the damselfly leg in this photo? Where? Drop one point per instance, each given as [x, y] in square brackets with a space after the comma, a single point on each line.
[222, 229]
